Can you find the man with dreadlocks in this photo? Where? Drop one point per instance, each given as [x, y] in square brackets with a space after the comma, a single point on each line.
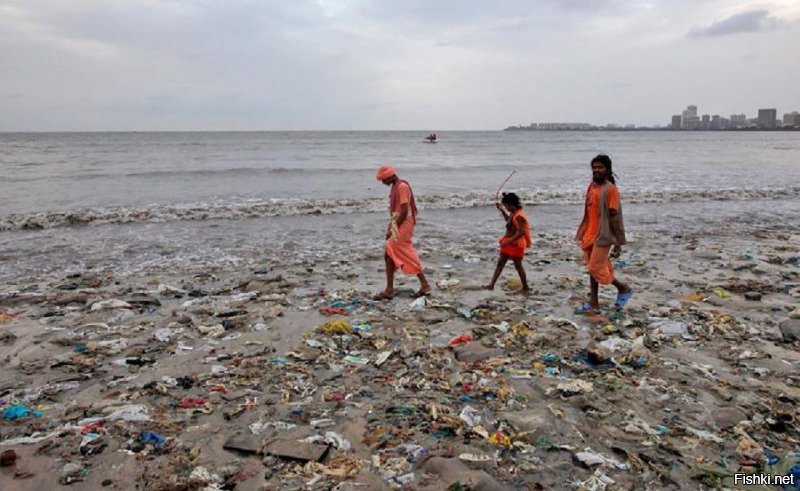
[600, 230]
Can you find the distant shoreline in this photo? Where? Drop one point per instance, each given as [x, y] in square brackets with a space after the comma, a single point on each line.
[737, 130]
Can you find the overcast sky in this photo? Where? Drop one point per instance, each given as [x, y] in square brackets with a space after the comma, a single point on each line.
[389, 64]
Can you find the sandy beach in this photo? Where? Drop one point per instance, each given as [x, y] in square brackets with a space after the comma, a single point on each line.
[288, 376]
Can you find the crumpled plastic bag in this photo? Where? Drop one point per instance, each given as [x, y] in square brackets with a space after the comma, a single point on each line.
[338, 326]
[471, 416]
[110, 304]
[590, 458]
[18, 411]
[418, 305]
[575, 387]
[133, 412]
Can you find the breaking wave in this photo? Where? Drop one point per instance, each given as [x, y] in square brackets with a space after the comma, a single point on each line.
[274, 208]
[245, 171]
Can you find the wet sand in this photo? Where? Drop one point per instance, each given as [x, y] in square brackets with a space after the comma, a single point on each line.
[691, 383]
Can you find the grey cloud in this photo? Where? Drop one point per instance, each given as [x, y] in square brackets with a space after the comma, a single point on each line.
[586, 4]
[449, 13]
[373, 64]
[751, 21]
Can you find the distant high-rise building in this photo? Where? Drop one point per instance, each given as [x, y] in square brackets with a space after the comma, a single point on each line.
[705, 122]
[688, 113]
[738, 121]
[692, 123]
[767, 119]
[791, 119]
[676, 122]
[716, 122]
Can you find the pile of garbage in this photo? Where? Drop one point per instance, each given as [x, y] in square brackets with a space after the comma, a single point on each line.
[212, 382]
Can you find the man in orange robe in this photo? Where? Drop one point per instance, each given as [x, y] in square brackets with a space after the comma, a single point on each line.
[399, 252]
[601, 229]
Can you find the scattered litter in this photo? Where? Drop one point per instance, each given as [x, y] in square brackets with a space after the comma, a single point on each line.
[418, 304]
[590, 458]
[338, 441]
[444, 284]
[575, 387]
[431, 393]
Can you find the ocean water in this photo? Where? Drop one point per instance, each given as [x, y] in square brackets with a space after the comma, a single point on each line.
[133, 201]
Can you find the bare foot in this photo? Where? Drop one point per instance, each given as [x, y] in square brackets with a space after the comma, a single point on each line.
[524, 291]
[488, 287]
[384, 295]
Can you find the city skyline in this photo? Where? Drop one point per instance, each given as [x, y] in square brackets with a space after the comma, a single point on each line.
[766, 119]
[688, 120]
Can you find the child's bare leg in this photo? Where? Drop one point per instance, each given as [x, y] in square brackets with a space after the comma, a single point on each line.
[501, 263]
[521, 271]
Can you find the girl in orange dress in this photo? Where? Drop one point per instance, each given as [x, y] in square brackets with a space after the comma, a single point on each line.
[516, 239]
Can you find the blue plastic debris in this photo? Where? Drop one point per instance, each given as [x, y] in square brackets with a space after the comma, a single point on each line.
[151, 437]
[362, 328]
[18, 411]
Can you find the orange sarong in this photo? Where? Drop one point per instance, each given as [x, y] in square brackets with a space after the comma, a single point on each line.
[598, 263]
[401, 249]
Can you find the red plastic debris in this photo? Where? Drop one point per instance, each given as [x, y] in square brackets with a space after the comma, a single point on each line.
[333, 311]
[91, 426]
[463, 339]
[190, 402]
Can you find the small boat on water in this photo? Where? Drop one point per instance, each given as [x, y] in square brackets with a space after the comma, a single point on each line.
[430, 138]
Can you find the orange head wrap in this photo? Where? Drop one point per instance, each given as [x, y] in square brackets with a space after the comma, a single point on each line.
[385, 172]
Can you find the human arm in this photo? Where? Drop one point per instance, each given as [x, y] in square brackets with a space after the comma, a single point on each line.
[400, 217]
[401, 202]
[616, 225]
[615, 219]
[502, 211]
